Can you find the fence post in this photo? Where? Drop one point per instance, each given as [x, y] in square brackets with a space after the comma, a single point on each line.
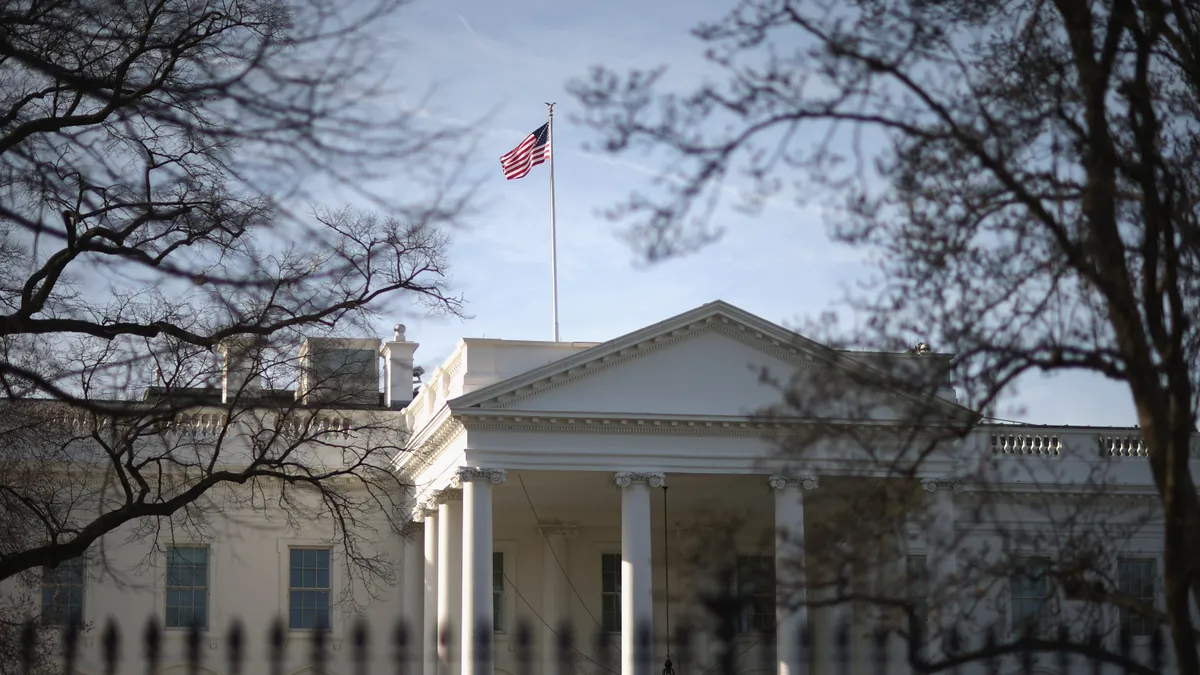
[405, 655]
[111, 645]
[235, 648]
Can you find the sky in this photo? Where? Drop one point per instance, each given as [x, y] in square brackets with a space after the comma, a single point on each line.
[510, 58]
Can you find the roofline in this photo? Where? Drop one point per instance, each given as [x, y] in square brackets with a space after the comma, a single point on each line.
[830, 356]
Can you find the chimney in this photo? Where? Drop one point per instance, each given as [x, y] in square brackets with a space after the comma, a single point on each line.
[241, 372]
[398, 369]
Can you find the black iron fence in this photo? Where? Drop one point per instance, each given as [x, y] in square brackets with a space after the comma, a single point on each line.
[369, 650]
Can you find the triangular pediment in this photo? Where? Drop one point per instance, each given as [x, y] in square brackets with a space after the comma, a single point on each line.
[704, 363]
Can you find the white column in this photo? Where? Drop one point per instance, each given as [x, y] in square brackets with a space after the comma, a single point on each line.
[429, 637]
[637, 599]
[791, 612]
[413, 598]
[556, 601]
[477, 630]
[449, 579]
[940, 543]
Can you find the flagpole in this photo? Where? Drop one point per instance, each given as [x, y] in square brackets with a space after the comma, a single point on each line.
[553, 242]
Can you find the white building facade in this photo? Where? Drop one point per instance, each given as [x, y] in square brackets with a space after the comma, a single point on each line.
[539, 471]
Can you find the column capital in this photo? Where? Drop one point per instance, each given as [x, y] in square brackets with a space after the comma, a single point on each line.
[626, 478]
[450, 494]
[781, 481]
[467, 474]
[425, 509]
[569, 530]
[947, 484]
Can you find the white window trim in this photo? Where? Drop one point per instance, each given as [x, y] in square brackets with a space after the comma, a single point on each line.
[336, 620]
[84, 619]
[160, 594]
[602, 549]
[507, 547]
[1052, 600]
[1159, 598]
[757, 552]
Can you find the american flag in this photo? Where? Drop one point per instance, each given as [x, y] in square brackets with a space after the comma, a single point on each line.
[532, 151]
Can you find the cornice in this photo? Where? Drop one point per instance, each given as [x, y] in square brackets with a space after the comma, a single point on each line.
[494, 420]
[1060, 496]
[448, 430]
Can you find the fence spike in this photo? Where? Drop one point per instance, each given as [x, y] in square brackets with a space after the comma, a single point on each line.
[235, 644]
[1156, 649]
[194, 655]
[28, 652]
[1064, 656]
[565, 647]
[879, 644]
[401, 641]
[71, 645]
[843, 648]
[28, 646]
[766, 654]
[111, 644]
[275, 647]
[318, 644]
[683, 647]
[358, 645]
[603, 648]
[992, 661]
[1027, 649]
[806, 646]
[152, 645]
[1125, 646]
[445, 650]
[643, 654]
[524, 647]
[484, 634]
[1095, 644]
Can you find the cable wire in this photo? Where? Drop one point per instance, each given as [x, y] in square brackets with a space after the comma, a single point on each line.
[561, 567]
[551, 628]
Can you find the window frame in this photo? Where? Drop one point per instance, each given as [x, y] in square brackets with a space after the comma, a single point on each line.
[286, 581]
[508, 550]
[604, 626]
[1043, 624]
[208, 580]
[920, 604]
[1124, 614]
[82, 562]
[744, 616]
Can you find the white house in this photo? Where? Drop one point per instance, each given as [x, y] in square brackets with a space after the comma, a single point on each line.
[538, 470]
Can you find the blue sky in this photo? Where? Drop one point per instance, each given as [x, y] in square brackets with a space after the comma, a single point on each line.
[512, 57]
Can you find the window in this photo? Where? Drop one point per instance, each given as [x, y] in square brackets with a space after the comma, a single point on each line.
[610, 592]
[917, 574]
[498, 592]
[62, 593]
[1136, 581]
[756, 584]
[187, 586]
[1030, 590]
[308, 589]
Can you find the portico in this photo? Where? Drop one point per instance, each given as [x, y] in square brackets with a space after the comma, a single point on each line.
[543, 488]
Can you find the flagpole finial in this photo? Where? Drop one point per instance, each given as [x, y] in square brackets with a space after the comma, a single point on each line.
[550, 107]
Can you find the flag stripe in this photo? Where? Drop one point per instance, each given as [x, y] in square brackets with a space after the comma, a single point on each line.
[533, 150]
